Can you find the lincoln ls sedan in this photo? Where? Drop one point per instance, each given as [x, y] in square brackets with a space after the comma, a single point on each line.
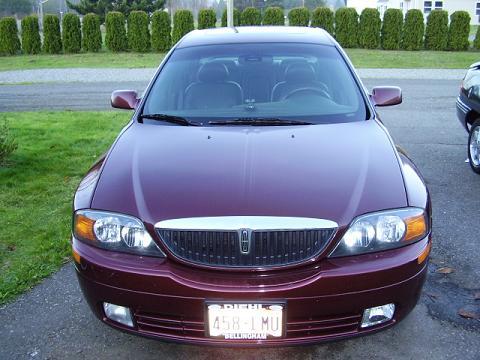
[254, 199]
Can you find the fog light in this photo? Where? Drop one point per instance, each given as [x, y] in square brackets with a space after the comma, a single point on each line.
[118, 313]
[377, 315]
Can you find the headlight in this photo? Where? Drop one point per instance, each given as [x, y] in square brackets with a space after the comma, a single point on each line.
[113, 231]
[383, 230]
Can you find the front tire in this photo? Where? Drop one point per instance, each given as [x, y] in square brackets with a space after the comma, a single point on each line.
[474, 147]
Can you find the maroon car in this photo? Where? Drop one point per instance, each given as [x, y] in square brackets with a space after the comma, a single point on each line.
[254, 198]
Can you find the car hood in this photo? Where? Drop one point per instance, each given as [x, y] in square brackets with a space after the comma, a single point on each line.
[332, 171]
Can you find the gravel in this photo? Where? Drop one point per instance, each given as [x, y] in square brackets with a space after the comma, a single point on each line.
[111, 75]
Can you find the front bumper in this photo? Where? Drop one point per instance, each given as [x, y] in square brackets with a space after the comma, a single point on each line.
[462, 112]
[324, 301]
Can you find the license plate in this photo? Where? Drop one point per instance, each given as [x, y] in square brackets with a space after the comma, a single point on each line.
[245, 321]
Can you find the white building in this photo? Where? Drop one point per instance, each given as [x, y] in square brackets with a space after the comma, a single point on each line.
[426, 6]
[359, 5]
[471, 6]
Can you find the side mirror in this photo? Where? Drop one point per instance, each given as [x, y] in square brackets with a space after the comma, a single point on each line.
[125, 99]
[386, 95]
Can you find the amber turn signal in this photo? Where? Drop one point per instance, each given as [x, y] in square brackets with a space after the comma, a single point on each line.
[424, 253]
[84, 227]
[76, 256]
[416, 227]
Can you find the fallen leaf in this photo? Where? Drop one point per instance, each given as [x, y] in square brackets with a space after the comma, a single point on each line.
[468, 314]
[445, 270]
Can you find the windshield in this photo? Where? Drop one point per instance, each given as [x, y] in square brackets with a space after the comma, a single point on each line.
[305, 82]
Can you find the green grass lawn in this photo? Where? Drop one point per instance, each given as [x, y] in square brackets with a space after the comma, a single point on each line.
[362, 58]
[55, 149]
[102, 59]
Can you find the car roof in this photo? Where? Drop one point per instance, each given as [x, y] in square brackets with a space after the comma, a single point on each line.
[256, 34]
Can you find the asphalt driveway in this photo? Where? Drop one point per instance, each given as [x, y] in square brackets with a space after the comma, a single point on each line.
[53, 321]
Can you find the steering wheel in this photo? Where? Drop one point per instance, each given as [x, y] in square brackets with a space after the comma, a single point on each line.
[312, 90]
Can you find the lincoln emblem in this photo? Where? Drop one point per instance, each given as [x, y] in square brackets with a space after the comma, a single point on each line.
[245, 237]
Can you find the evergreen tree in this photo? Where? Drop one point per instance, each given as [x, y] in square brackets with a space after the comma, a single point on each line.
[101, 7]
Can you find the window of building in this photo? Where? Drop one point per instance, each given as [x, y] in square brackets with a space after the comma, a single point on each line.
[438, 5]
[477, 8]
[401, 5]
[427, 7]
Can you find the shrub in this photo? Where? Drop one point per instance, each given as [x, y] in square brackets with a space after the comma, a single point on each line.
[52, 39]
[346, 27]
[182, 24]
[236, 17]
[459, 31]
[476, 42]
[392, 29]
[92, 35]
[161, 31]
[251, 17]
[273, 16]
[9, 41]
[7, 143]
[323, 17]
[299, 17]
[138, 32]
[116, 37]
[71, 33]
[207, 19]
[436, 33]
[31, 43]
[369, 29]
[413, 30]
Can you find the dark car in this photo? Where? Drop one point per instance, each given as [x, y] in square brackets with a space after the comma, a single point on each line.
[468, 112]
[254, 198]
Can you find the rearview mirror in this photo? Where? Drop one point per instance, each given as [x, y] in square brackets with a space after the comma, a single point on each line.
[125, 99]
[386, 95]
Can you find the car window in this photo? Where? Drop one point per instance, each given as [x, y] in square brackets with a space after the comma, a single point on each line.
[307, 82]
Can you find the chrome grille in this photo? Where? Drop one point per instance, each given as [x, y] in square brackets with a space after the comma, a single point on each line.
[229, 248]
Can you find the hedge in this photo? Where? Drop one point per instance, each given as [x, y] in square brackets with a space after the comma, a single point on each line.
[413, 30]
[251, 17]
[9, 41]
[459, 31]
[436, 33]
[116, 37]
[323, 17]
[71, 33]
[31, 43]
[207, 19]
[52, 39]
[161, 31]
[299, 17]
[236, 17]
[137, 31]
[182, 24]
[346, 27]
[392, 29]
[92, 35]
[476, 42]
[369, 29]
[273, 16]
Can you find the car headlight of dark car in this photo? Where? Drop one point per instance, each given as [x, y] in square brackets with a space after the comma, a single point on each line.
[112, 231]
[382, 231]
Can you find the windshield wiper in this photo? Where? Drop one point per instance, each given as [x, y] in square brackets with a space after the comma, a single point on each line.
[169, 118]
[259, 121]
